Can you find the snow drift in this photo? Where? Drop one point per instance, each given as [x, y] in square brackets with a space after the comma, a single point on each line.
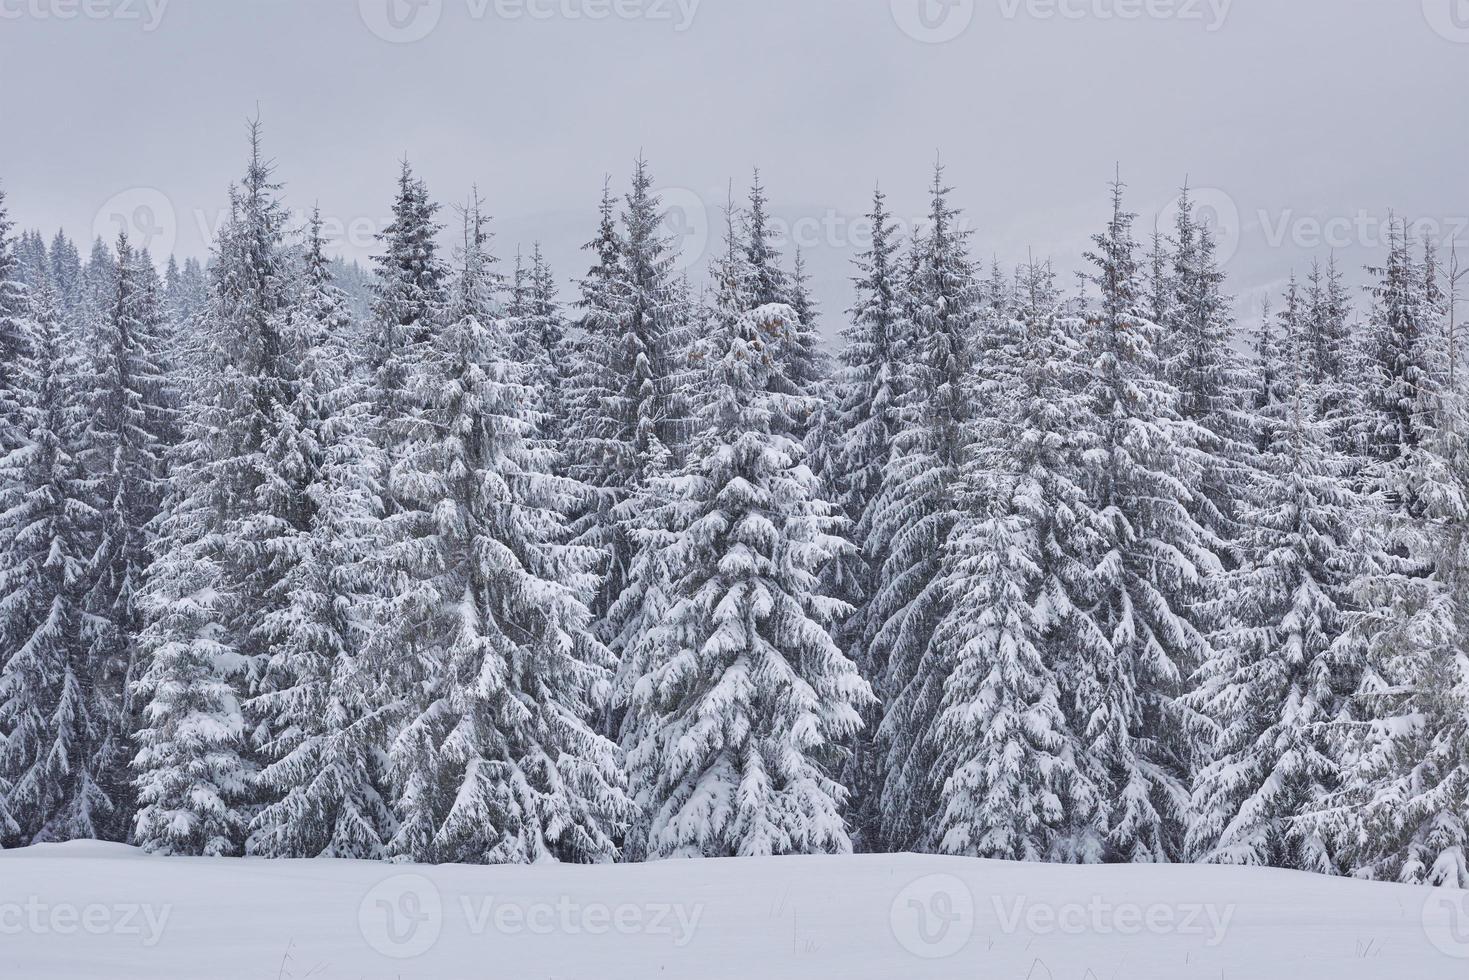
[91, 910]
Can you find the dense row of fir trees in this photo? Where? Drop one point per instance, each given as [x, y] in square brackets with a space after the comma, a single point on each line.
[476, 577]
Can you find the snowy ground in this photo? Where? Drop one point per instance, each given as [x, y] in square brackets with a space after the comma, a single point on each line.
[93, 910]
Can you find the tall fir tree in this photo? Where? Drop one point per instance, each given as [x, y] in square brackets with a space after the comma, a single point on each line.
[15, 341]
[1008, 764]
[35, 264]
[17, 332]
[1328, 334]
[1401, 814]
[766, 280]
[1282, 671]
[866, 421]
[498, 761]
[915, 510]
[1197, 353]
[66, 271]
[800, 350]
[746, 697]
[1149, 568]
[235, 505]
[124, 445]
[540, 344]
[409, 299]
[54, 715]
[323, 778]
[624, 377]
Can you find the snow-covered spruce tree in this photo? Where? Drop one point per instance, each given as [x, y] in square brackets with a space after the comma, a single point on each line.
[1403, 813]
[591, 454]
[654, 311]
[414, 295]
[801, 299]
[814, 371]
[766, 281]
[1159, 291]
[408, 308]
[639, 614]
[1149, 568]
[517, 302]
[1397, 359]
[54, 722]
[1268, 388]
[598, 310]
[234, 507]
[497, 761]
[746, 698]
[1006, 760]
[865, 423]
[194, 773]
[540, 344]
[66, 271]
[185, 304]
[995, 326]
[99, 275]
[96, 290]
[1197, 353]
[804, 368]
[124, 444]
[1282, 671]
[1328, 331]
[15, 339]
[623, 380]
[323, 774]
[35, 265]
[915, 509]
[867, 392]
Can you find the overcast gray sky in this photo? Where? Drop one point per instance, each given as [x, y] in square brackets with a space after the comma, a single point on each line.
[1302, 122]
